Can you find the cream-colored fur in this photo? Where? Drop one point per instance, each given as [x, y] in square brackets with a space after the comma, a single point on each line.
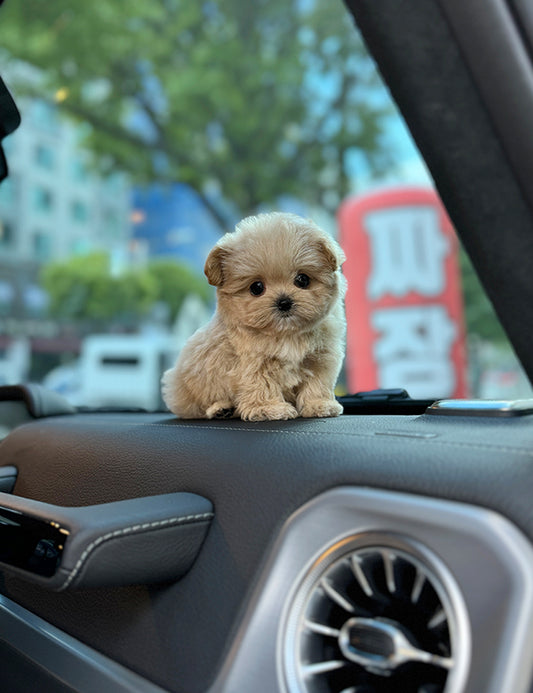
[254, 360]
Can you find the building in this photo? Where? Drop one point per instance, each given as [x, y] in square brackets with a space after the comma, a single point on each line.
[53, 205]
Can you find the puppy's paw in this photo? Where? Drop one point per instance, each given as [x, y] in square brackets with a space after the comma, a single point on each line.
[269, 411]
[220, 410]
[321, 408]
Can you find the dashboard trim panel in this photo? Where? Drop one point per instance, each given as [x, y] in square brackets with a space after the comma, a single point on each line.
[489, 558]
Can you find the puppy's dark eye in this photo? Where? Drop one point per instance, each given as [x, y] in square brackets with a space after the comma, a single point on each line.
[257, 288]
[301, 281]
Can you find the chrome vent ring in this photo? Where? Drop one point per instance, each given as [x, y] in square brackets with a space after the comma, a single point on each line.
[370, 618]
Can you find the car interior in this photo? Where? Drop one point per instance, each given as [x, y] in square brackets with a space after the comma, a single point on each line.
[386, 550]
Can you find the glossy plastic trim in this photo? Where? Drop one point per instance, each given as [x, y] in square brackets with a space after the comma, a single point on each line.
[481, 407]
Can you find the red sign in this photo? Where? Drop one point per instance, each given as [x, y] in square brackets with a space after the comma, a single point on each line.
[404, 304]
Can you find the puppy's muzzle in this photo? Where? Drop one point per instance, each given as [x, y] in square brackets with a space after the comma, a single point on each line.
[284, 304]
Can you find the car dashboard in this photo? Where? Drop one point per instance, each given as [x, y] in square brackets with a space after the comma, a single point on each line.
[362, 553]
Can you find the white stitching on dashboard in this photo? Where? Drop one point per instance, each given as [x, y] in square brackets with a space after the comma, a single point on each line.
[171, 521]
[429, 441]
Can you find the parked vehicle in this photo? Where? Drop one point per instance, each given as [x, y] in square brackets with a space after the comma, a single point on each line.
[120, 371]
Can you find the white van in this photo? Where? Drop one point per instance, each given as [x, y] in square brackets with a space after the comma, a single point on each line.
[125, 370]
[116, 371]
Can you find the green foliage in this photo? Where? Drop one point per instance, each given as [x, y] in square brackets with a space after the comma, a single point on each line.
[84, 288]
[174, 281]
[481, 320]
[255, 99]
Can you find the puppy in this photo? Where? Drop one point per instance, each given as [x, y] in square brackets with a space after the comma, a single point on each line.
[274, 347]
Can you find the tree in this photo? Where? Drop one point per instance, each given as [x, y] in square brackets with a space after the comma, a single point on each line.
[83, 288]
[251, 99]
[480, 318]
[174, 282]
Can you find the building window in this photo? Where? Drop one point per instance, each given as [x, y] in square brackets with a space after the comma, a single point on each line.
[7, 296]
[79, 211]
[43, 199]
[35, 300]
[41, 245]
[6, 234]
[44, 156]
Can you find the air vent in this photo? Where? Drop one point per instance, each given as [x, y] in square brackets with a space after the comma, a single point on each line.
[369, 619]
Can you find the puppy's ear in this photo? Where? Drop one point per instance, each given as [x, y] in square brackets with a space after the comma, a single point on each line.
[214, 265]
[332, 253]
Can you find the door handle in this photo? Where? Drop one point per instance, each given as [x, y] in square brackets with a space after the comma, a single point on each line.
[137, 541]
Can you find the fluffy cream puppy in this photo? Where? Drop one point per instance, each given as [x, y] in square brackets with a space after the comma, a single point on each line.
[275, 345]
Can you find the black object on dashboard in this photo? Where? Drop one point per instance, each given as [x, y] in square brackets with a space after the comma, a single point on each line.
[384, 401]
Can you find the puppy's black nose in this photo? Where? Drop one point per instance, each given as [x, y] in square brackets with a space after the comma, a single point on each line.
[284, 303]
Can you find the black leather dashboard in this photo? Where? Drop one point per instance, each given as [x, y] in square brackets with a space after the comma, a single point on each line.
[255, 475]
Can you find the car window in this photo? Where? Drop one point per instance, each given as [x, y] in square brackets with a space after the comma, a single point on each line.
[149, 129]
